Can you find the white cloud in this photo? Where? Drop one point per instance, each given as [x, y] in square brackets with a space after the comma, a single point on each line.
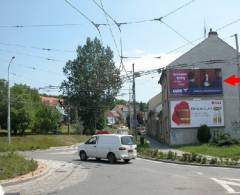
[147, 86]
[149, 61]
[139, 51]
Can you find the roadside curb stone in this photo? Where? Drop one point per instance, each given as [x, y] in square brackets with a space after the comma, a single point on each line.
[187, 163]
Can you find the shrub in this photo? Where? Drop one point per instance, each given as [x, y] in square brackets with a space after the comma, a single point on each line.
[224, 139]
[198, 158]
[204, 160]
[203, 134]
[160, 155]
[193, 157]
[213, 161]
[170, 155]
[154, 153]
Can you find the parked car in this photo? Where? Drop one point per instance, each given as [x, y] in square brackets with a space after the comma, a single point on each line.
[110, 146]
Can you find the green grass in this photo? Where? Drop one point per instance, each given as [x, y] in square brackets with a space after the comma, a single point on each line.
[32, 142]
[12, 165]
[223, 151]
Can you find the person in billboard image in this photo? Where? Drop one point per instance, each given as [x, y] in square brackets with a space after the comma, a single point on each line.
[191, 81]
[217, 83]
[181, 114]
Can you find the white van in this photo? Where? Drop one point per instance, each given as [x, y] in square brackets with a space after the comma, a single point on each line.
[109, 146]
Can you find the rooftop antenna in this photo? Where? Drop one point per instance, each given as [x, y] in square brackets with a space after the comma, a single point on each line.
[205, 29]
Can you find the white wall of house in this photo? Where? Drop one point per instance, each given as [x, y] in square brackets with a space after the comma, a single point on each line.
[111, 120]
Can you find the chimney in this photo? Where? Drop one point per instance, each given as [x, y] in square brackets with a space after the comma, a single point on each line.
[212, 33]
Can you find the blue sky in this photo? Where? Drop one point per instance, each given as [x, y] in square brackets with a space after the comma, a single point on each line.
[146, 39]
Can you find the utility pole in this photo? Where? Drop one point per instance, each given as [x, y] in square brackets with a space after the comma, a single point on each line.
[9, 105]
[238, 66]
[129, 109]
[134, 104]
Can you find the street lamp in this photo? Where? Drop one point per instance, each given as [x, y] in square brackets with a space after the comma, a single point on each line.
[9, 117]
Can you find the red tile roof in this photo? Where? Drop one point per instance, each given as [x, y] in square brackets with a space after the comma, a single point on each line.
[52, 101]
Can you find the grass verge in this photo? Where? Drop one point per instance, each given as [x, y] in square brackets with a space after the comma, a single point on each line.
[232, 151]
[13, 165]
[32, 142]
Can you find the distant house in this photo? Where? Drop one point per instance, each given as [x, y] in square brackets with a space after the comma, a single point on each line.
[154, 120]
[122, 110]
[113, 117]
[55, 102]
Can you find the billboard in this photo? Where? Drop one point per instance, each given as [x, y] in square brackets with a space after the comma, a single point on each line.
[194, 113]
[185, 82]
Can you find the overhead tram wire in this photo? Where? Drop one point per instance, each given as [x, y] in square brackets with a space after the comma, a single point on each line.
[118, 26]
[36, 48]
[110, 29]
[87, 18]
[38, 25]
[30, 55]
[174, 30]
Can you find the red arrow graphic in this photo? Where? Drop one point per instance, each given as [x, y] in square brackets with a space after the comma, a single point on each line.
[232, 80]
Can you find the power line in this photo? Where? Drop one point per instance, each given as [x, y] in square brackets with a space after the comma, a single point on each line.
[179, 34]
[119, 28]
[177, 9]
[157, 19]
[109, 26]
[38, 25]
[86, 17]
[34, 56]
[195, 40]
[37, 48]
[228, 24]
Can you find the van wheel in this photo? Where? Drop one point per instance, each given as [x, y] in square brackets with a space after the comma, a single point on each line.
[126, 160]
[111, 157]
[83, 156]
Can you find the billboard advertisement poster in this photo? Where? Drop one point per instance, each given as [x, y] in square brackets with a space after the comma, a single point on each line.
[195, 81]
[194, 113]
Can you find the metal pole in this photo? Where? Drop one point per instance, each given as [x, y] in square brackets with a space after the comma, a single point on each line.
[129, 109]
[238, 66]
[9, 106]
[134, 105]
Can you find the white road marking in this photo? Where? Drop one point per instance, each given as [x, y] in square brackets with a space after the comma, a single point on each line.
[199, 173]
[1, 190]
[152, 161]
[64, 153]
[226, 184]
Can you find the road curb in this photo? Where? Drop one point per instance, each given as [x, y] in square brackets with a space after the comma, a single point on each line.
[39, 172]
[185, 163]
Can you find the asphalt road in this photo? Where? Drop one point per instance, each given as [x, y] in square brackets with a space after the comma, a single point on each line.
[140, 177]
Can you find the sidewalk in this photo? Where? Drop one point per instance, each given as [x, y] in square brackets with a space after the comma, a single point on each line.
[166, 148]
[161, 146]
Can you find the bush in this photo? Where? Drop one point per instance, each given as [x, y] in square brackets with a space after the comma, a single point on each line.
[224, 139]
[203, 160]
[77, 128]
[213, 161]
[203, 134]
[47, 119]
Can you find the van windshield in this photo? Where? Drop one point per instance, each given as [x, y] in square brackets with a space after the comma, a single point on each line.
[127, 140]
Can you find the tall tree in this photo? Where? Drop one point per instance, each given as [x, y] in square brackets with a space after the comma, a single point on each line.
[24, 103]
[92, 81]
